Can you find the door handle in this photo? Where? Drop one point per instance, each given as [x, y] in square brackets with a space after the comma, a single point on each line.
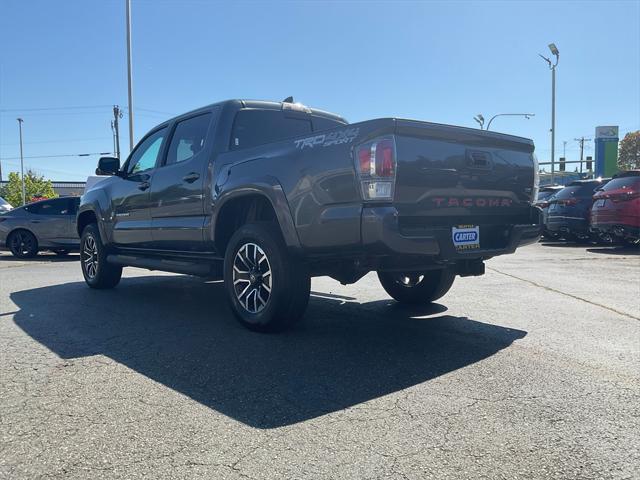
[143, 185]
[191, 177]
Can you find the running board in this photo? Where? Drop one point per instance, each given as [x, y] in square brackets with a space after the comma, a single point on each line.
[167, 265]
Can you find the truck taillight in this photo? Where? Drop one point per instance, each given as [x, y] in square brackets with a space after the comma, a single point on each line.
[376, 167]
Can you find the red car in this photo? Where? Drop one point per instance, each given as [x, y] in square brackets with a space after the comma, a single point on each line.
[616, 208]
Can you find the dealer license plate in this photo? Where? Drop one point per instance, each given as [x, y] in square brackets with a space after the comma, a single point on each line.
[466, 237]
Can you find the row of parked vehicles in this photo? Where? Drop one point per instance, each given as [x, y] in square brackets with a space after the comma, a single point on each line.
[603, 210]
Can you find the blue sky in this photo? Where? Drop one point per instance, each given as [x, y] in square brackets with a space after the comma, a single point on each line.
[436, 61]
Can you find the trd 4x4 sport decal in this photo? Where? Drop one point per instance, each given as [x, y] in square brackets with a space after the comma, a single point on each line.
[328, 139]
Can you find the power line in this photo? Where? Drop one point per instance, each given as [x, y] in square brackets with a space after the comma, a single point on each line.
[77, 107]
[74, 174]
[59, 156]
[69, 140]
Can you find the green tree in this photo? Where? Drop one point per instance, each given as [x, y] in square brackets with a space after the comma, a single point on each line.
[36, 186]
[629, 151]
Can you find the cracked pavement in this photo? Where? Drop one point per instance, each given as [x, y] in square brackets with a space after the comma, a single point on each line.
[531, 371]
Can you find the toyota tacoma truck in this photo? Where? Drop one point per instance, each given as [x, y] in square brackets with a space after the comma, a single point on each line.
[266, 195]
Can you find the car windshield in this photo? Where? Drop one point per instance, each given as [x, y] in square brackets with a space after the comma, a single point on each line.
[3, 201]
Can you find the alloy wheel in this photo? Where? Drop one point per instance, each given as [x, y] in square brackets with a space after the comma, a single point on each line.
[90, 256]
[252, 278]
[22, 243]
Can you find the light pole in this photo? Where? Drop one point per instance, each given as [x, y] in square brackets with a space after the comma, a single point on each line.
[525, 115]
[552, 66]
[24, 194]
[129, 76]
[480, 119]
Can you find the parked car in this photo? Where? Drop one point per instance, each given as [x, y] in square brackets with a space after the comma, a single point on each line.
[544, 193]
[570, 208]
[44, 225]
[615, 214]
[4, 205]
[542, 201]
[268, 194]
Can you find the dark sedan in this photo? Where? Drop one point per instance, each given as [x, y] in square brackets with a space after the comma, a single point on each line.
[44, 225]
[570, 208]
[542, 201]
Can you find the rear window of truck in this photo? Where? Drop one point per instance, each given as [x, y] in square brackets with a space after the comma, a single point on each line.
[257, 127]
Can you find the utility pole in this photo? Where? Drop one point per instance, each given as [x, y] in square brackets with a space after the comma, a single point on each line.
[581, 141]
[564, 149]
[117, 114]
[24, 193]
[129, 76]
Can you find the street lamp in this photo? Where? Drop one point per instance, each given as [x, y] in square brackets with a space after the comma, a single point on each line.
[552, 66]
[480, 119]
[129, 75]
[24, 194]
[525, 115]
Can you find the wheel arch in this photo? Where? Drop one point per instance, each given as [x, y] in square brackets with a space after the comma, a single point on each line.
[85, 218]
[252, 203]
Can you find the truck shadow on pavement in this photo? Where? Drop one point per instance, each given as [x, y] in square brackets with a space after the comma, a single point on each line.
[178, 331]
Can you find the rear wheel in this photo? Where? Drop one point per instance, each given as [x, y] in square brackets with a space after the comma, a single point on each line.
[93, 259]
[632, 242]
[417, 287]
[23, 244]
[267, 289]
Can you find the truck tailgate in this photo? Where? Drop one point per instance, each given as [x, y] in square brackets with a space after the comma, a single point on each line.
[450, 175]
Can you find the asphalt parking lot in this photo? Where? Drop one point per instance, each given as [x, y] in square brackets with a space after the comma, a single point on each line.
[532, 371]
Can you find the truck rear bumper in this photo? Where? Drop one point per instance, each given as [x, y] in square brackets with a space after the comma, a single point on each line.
[382, 234]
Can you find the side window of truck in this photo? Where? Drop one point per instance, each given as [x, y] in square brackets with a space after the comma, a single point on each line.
[188, 138]
[145, 156]
[257, 127]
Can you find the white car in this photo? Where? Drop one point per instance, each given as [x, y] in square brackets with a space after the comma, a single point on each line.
[4, 205]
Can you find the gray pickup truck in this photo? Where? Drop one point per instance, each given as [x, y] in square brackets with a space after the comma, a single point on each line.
[266, 195]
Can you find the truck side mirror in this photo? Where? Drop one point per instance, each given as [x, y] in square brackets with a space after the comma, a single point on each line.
[108, 166]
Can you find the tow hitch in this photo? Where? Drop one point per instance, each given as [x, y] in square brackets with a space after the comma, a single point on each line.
[470, 268]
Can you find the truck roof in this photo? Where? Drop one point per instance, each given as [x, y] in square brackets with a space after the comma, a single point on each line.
[266, 105]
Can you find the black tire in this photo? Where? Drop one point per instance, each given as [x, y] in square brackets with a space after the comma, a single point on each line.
[23, 244]
[265, 296]
[93, 260]
[417, 288]
[632, 242]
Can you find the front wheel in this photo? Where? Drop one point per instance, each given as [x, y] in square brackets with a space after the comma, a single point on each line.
[93, 260]
[417, 288]
[267, 288]
[23, 244]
